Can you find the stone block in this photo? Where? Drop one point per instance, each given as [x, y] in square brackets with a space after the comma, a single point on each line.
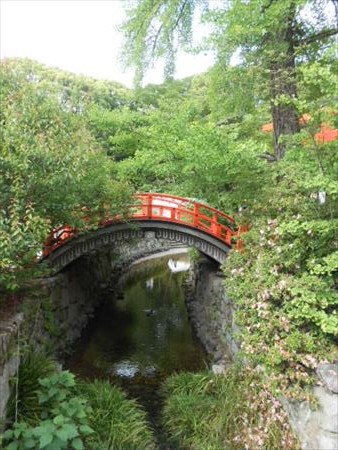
[317, 428]
[328, 374]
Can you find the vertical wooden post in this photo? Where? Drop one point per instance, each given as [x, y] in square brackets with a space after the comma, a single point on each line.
[150, 206]
[214, 225]
[228, 237]
[144, 207]
[196, 214]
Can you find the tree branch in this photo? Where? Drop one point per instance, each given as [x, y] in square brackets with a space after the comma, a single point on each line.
[265, 7]
[155, 40]
[184, 4]
[317, 37]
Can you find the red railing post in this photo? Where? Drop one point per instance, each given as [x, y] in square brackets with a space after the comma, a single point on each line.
[144, 207]
[228, 237]
[214, 225]
[150, 206]
[196, 214]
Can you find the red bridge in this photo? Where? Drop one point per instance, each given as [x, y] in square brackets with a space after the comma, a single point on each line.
[158, 211]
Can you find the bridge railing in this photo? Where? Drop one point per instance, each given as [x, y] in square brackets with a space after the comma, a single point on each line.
[166, 208]
[169, 208]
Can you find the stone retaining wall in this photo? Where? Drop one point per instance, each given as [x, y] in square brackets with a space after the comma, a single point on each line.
[211, 312]
[9, 358]
[317, 428]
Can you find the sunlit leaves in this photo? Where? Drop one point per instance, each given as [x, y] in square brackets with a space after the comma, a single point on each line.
[154, 29]
[50, 166]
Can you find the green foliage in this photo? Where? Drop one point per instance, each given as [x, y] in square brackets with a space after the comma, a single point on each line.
[285, 283]
[187, 153]
[63, 418]
[153, 30]
[118, 422]
[206, 411]
[281, 36]
[55, 413]
[50, 166]
[119, 132]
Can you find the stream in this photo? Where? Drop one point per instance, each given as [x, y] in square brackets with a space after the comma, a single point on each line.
[142, 335]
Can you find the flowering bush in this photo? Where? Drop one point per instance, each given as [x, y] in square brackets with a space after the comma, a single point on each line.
[285, 283]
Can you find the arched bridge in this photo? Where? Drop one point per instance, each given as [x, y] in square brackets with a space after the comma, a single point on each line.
[161, 216]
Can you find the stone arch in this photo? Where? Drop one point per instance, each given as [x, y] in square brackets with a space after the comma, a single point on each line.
[113, 234]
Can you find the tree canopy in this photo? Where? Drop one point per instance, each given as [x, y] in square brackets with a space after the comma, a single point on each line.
[270, 37]
[51, 165]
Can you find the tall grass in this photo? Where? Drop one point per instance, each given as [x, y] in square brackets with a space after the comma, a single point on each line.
[23, 397]
[119, 423]
[204, 411]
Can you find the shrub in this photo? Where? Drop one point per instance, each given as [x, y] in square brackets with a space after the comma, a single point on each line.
[63, 418]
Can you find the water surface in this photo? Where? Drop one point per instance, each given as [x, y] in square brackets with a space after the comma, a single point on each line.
[141, 337]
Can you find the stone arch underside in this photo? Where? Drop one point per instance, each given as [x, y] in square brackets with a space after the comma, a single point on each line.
[114, 234]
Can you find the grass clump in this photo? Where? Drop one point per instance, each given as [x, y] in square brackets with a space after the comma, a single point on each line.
[204, 411]
[23, 398]
[54, 411]
[118, 422]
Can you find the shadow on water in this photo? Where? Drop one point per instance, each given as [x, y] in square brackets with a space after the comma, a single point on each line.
[139, 339]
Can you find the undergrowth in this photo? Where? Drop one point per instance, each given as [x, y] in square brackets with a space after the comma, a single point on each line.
[23, 400]
[119, 423]
[204, 411]
[284, 284]
[49, 410]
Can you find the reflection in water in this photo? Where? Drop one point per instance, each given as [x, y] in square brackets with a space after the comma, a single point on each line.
[150, 283]
[143, 336]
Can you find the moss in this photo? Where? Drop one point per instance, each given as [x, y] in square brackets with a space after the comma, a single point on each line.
[50, 324]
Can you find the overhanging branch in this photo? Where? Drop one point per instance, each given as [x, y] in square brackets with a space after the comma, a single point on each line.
[316, 37]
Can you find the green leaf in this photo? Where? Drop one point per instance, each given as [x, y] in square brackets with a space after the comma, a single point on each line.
[30, 443]
[8, 434]
[45, 439]
[71, 430]
[13, 446]
[62, 434]
[43, 398]
[85, 429]
[77, 444]
[59, 420]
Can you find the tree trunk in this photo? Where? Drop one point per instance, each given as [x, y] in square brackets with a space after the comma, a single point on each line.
[283, 89]
[284, 116]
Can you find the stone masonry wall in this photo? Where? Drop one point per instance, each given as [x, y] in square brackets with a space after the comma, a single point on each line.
[211, 312]
[56, 309]
[9, 358]
[317, 428]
